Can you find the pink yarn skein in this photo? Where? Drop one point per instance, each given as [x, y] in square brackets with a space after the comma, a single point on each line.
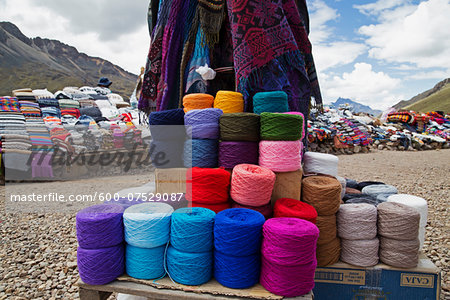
[280, 156]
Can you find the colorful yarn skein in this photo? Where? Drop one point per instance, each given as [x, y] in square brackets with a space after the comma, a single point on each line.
[235, 153]
[280, 156]
[265, 210]
[229, 102]
[237, 240]
[100, 226]
[288, 256]
[320, 163]
[357, 228]
[418, 203]
[208, 188]
[102, 265]
[201, 153]
[145, 263]
[281, 127]
[398, 228]
[203, 123]
[147, 225]
[276, 102]
[292, 208]
[239, 127]
[252, 185]
[190, 256]
[197, 101]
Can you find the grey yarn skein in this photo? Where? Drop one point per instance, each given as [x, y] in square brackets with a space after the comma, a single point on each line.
[401, 254]
[357, 221]
[363, 253]
[398, 221]
[376, 189]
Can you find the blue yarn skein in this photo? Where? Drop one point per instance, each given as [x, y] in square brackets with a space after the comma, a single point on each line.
[276, 101]
[147, 225]
[238, 231]
[201, 153]
[189, 268]
[236, 272]
[145, 263]
[192, 229]
[203, 123]
[376, 189]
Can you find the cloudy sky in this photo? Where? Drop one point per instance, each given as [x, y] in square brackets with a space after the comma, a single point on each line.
[374, 52]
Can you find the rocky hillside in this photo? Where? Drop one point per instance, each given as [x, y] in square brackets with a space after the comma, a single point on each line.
[356, 107]
[437, 98]
[39, 63]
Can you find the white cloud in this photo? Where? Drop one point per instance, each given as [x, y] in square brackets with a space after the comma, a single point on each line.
[320, 15]
[127, 47]
[336, 54]
[430, 75]
[412, 34]
[376, 89]
[376, 8]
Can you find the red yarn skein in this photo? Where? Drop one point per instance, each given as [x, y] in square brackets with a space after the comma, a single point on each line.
[287, 207]
[207, 186]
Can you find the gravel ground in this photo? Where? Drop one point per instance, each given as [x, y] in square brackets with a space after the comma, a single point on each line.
[38, 250]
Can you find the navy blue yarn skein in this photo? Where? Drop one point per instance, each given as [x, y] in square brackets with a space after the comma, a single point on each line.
[162, 124]
[237, 272]
[238, 231]
[201, 153]
[189, 268]
[351, 183]
[192, 229]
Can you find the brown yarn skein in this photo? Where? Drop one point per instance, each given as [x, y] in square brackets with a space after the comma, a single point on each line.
[323, 193]
[400, 254]
[398, 221]
[329, 253]
[327, 229]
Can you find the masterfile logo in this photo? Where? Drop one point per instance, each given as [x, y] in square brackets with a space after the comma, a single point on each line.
[417, 280]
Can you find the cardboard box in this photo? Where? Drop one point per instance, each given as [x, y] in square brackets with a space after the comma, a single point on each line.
[381, 282]
[171, 180]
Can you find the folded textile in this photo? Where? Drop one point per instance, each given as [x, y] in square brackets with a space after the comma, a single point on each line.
[9, 104]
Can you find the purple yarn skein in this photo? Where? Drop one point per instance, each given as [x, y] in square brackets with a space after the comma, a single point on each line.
[235, 153]
[101, 266]
[203, 123]
[100, 226]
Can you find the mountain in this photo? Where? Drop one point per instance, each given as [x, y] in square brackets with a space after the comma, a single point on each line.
[436, 98]
[43, 63]
[356, 107]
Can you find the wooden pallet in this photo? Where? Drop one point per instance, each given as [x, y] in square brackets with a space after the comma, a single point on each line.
[169, 291]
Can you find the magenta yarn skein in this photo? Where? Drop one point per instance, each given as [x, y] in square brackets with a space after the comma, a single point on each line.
[288, 256]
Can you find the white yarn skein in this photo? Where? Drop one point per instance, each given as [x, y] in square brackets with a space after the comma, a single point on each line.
[418, 203]
[320, 163]
[147, 225]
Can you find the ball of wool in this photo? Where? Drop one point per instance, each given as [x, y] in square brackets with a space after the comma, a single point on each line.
[398, 221]
[281, 127]
[399, 253]
[280, 156]
[363, 253]
[328, 253]
[229, 102]
[197, 101]
[276, 101]
[251, 184]
[323, 193]
[100, 226]
[287, 207]
[376, 189]
[203, 123]
[240, 127]
[209, 186]
[328, 229]
[357, 221]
